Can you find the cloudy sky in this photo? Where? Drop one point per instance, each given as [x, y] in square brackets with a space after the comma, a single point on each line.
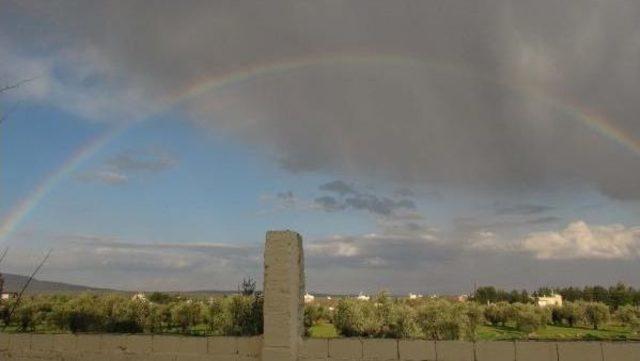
[417, 146]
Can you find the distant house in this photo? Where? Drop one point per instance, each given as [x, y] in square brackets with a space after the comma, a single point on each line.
[413, 296]
[363, 297]
[462, 298]
[308, 298]
[553, 300]
[139, 297]
[8, 296]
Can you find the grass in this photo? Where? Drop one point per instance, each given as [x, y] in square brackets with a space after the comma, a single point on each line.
[610, 332]
[323, 330]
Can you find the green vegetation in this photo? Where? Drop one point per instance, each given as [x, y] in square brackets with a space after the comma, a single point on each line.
[614, 296]
[238, 315]
[446, 320]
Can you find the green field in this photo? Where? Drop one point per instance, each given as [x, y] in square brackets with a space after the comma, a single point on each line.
[496, 333]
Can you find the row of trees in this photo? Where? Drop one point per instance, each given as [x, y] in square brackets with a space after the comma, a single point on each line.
[614, 296]
[234, 315]
[444, 320]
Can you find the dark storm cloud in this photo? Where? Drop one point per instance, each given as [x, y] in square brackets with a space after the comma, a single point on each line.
[339, 187]
[489, 99]
[349, 197]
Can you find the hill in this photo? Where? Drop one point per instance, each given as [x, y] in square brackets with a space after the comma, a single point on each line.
[14, 283]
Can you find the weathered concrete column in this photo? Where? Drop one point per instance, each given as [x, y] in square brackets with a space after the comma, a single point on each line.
[283, 296]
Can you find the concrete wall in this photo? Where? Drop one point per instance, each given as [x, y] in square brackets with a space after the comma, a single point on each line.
[32, 347]
[282, 339]
[421, 350]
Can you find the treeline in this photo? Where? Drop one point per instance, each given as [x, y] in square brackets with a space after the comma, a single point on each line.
[441, 319]
[614, 296]
[238, 315]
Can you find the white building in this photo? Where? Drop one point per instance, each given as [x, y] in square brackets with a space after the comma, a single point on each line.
[139, 297]
[553, 300]
[363, 297]
[308, 298]
[413, 296]
[8, 296]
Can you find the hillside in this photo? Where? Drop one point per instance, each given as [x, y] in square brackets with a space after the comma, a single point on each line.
[13, 283]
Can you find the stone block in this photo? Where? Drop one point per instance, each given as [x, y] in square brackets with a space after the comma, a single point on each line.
[454, 351]
[42, 342]
[222, 345]
[417, 350]
[20, 342]
[65, 343]
[580, 351]
[345, 349]
[314, 349]
[536, 351]
[495, 351]
[624, 351]
[249, 346]
[89, 343]
[114, 344]
[379, 349]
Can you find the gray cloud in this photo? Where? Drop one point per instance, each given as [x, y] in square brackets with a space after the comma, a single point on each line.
[523, 209]
[338, 187]
[349, 197]
[446, 92]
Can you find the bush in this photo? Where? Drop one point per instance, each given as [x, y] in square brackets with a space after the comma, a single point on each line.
[357, 318]
[629, 316]
[596, 313]
[529, 318]
[497, 313]
[245, 315]
[474, 318]
[572, 313]
[441, 320]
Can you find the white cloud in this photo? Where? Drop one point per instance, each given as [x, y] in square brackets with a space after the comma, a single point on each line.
[581, 241]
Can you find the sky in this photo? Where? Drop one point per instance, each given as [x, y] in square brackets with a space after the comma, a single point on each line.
[416, 146]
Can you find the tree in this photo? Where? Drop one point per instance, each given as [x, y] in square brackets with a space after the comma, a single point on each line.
[596, 313]
[630, 316]
[572, 313]
[247, 287]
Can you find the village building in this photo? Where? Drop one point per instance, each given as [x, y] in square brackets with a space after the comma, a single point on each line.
[553, 300]
[308, 298]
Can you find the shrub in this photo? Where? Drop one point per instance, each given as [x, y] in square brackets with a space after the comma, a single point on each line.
[356, 318]
[245, 315]
[474, 319]
[572, 313]
[596, 313]
[529, 318]
[629, 316]
[497, 313]
[441, 320]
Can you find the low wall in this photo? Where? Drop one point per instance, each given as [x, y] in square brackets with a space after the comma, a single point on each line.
[32, 347]
[421, 350]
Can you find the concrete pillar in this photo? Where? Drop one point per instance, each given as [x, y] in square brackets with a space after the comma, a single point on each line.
[283, 296]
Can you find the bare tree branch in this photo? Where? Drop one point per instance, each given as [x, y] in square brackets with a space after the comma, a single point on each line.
[16, 85]
[5, 88]
[15, 305]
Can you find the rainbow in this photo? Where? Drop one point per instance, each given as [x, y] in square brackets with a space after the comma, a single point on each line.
[20, 212]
